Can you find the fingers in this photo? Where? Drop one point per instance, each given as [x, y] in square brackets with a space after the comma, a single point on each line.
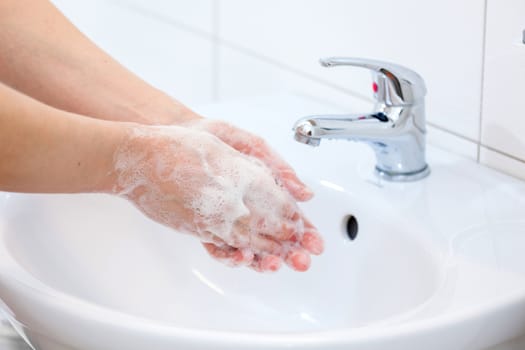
[289, 235]
[293, 185]
[256, 147]
[298, 259]
[286, 176]
[311, 240]
[229, 255]
[266, 263]
[235, 257]
[276, 215]
[267, 254]
[296, 230]
[264, 244]
[275, 231]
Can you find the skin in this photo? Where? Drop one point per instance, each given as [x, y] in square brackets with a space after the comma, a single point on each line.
[224, 197]
[67, 109]
[44, 56]
[47, 150]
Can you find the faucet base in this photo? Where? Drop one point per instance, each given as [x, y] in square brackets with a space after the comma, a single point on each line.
[403, 177]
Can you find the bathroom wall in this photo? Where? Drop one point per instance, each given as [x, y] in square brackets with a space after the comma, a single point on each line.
[470, 53]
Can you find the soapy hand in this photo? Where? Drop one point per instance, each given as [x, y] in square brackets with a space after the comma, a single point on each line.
[254, 146]
[191, 181]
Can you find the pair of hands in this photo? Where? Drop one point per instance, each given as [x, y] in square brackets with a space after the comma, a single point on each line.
[205, 178]
[222, 184]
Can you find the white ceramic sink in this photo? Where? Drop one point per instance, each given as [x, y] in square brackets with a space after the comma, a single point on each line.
[436, 264]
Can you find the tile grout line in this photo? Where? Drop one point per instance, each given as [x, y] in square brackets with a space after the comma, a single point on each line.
[288, 68]
[478, 144]
[217, 41]
[215, 38]
[215, 26]
[502, 153]
[482, 88]
[454, 133]
[159, 17]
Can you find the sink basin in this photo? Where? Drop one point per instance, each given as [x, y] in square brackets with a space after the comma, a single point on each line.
[434, 264]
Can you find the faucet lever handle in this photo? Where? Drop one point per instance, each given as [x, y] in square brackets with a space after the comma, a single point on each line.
[396, 85]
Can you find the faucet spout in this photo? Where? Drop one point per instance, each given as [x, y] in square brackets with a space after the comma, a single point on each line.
[396, 138]
[310, 130]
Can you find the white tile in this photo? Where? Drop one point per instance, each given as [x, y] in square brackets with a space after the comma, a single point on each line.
[505, 164]
[453, 143]
[503, 124]
[442, 40]
[173, 60]
[196, 14]
[242, 75]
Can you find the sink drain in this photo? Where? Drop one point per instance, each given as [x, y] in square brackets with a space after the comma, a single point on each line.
[350, 226]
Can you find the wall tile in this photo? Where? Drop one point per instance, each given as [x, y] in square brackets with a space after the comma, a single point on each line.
[196, 15]
[503, 126]
[502, 163]
[242, 75]
[171, 59]
[453, 143]
[442, 40]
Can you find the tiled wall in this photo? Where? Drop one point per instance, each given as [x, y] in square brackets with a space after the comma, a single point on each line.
[167, 53]
[503, 118]
[200, 51]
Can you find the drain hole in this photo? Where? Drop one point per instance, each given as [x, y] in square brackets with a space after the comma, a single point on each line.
[351, 227]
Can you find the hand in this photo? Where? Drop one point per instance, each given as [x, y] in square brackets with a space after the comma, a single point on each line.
[254, 146]
[193, 182]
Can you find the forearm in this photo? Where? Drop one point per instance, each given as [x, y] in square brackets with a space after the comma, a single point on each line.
[43, 55]
[43, 149]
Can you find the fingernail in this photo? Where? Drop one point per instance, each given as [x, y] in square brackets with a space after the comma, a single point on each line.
[299, 261]
[306, 188]
[304, 191]
[245, 256]
[270, 263]
[313, 243]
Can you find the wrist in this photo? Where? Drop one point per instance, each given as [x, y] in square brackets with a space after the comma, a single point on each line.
[116, 134]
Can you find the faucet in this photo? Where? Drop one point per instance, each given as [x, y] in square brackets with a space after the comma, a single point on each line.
[395, 129]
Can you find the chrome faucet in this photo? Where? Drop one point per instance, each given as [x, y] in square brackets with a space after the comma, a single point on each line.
[395, 129]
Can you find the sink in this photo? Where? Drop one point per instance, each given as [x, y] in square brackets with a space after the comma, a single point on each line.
[434, 264]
